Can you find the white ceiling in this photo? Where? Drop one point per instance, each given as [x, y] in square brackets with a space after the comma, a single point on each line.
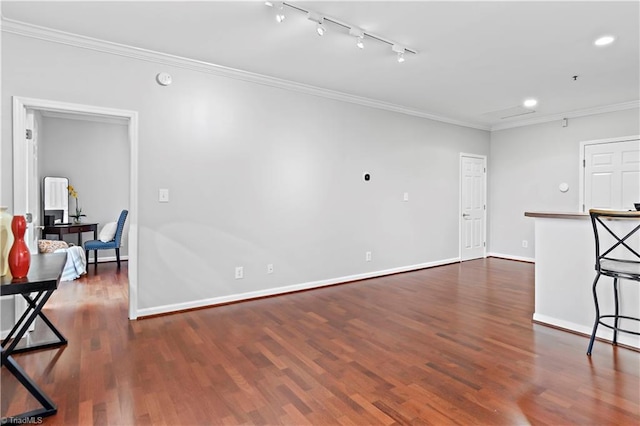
[474, 58]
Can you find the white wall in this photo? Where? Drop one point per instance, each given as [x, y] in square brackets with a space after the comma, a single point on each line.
[526, 165]
[257, 174]
[95, 158]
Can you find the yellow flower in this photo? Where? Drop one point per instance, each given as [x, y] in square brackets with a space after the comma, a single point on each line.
[72, 191]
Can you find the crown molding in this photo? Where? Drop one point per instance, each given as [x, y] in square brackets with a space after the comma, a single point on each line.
[42, 33]
[56, 36]
[571, 114]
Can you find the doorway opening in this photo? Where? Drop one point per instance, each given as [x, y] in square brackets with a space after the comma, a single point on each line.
[24, 187]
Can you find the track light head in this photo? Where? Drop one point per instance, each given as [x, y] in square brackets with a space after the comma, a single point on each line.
[320, 29]
[359, 35]
[400, 51]
[319, 20]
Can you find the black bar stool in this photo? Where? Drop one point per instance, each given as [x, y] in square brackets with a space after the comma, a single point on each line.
[617, 256]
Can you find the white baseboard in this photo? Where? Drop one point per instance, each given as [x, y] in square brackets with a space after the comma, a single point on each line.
[288, 289]
[512, 257]
[603, 332]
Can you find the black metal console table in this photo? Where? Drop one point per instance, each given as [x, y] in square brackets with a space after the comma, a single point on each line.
[43, 278]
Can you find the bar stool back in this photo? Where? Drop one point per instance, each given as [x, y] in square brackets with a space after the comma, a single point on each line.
[617, 238]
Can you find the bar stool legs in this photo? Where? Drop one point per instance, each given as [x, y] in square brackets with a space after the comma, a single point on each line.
[595, 325]
[617, 318]
[618, 257]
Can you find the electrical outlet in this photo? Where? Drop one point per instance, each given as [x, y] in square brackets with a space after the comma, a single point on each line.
[270, 268]
[239, 272]
[367, 256]
[525, 243]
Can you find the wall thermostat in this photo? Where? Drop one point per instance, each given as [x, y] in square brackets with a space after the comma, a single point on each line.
[163, 79]
[366, 177]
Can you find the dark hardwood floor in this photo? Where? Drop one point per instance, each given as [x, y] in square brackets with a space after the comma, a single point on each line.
[447, 345]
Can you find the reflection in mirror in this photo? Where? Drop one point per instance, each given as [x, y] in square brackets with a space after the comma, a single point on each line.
[55, 196]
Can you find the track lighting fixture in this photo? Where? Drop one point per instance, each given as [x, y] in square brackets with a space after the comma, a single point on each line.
[356, 32]
[400, 51]
[359, 35]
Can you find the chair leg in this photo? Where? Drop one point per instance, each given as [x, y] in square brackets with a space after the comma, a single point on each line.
[595, 325]
[118, 257]
[95, 258]
[615, 322]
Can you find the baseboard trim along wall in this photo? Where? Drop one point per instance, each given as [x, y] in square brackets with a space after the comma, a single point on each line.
[288, 289]
[603, 332]
[512, 257]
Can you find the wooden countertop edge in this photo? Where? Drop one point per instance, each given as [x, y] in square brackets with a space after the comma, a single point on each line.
[558, 215]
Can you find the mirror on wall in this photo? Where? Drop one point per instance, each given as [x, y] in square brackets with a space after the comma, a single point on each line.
[55, 200]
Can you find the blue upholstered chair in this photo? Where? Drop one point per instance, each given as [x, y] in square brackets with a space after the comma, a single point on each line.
[96, 245]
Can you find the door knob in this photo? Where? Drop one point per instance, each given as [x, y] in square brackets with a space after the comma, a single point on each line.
[465, 215]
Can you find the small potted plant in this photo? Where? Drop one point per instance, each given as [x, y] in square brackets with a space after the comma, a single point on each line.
[78, 214]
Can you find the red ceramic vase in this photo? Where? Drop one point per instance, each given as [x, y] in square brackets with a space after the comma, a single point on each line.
[19, 257]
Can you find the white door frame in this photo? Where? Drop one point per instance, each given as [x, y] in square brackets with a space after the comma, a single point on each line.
[583, 145]
[20, 106]
[484, 220]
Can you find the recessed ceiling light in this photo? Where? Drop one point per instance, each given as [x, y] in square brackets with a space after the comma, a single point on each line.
[604, 40]
[530, 103]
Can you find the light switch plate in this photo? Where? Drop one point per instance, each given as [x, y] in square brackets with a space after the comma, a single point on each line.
[163, 195]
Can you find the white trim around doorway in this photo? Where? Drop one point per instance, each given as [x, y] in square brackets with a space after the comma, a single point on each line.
[20, 106]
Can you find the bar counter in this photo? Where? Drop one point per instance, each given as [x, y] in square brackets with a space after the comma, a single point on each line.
[564, 274]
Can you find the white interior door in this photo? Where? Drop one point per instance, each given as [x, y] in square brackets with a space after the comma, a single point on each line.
[28, 194]
[473, 171]
[26, 189]
[33, 207]
[612, 175]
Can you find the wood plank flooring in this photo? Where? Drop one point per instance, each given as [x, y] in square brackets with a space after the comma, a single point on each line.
[447, 345]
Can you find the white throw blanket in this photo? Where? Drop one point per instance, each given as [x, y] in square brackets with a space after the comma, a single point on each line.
[76, 263]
